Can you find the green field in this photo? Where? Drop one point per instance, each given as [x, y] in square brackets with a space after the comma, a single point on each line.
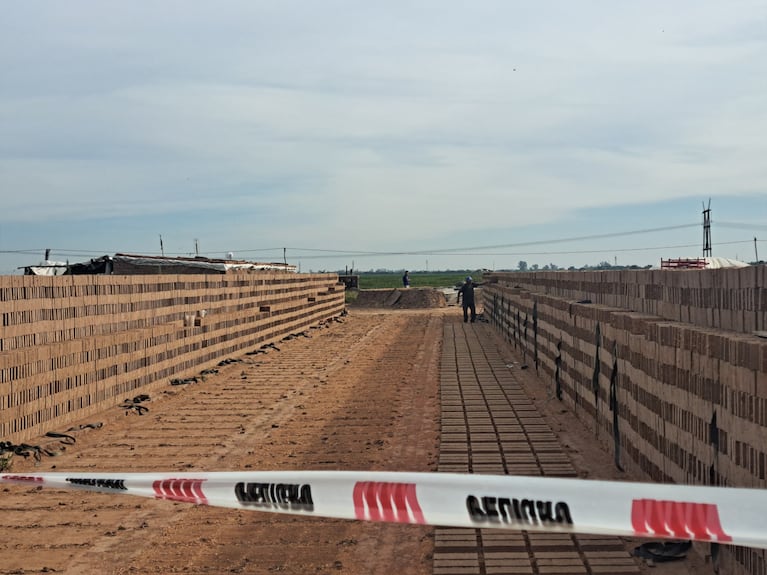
[417, 279]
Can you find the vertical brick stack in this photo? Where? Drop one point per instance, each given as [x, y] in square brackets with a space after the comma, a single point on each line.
[71, 346]
[661, 366]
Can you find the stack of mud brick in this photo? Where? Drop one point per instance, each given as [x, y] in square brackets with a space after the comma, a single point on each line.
[71, 346]
[667, 368]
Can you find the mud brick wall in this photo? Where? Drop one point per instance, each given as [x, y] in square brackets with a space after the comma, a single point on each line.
[71, 346]
[679, 401]
[729, 299]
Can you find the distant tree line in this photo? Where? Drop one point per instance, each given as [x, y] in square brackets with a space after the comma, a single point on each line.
[603, 265]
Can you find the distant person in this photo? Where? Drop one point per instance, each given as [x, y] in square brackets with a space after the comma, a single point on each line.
[406, 279]
[467, 292]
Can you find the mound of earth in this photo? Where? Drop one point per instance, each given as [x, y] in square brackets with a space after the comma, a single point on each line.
[404, 298]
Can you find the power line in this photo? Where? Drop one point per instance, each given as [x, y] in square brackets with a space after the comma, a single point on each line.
[455, 251]
[464, 251]
[573, 239]
[741, 226]
[563, 252]
[25, 251]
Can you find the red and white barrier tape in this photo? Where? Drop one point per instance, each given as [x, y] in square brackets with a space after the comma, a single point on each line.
[718, 514]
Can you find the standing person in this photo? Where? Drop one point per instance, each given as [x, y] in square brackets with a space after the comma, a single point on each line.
[467, 292]
[406, 279]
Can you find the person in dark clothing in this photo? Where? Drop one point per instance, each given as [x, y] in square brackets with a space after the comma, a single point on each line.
[406, 279]
[466, 291]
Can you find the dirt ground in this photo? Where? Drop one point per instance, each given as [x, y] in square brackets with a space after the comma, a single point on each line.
[360, 393]
[410, 298]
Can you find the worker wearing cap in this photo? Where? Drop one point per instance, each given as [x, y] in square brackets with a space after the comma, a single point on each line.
[466, 291]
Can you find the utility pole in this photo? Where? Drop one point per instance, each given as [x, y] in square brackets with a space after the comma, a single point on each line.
[196, 248]
[756, 252]
[707, 229]
[162, 250]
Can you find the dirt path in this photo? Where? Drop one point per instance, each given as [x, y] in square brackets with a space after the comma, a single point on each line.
[361, 394]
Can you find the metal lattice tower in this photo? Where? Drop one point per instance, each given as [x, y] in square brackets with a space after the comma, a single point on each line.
[707, 229]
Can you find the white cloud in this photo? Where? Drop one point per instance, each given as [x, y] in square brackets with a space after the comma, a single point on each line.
[399, 121]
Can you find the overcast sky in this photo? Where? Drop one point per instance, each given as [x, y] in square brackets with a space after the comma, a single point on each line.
[450, 134]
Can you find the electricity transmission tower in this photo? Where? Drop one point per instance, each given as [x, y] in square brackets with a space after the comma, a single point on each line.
[707, 229]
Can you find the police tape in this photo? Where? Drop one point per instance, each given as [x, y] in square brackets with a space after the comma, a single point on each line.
[716, 514]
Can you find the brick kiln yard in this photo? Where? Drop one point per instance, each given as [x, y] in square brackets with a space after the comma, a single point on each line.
[361, 393]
